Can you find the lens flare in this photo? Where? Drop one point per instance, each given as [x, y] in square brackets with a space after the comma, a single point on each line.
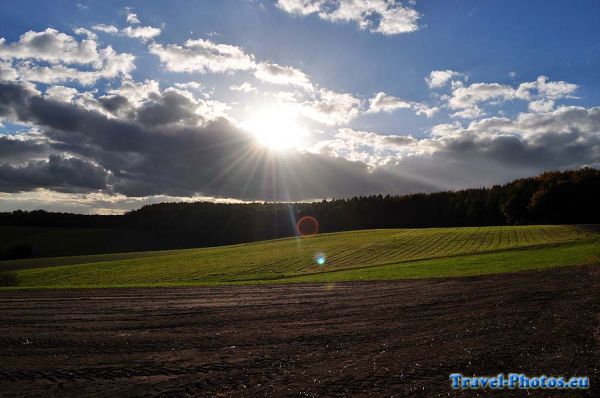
[320, 259]
[307, 226]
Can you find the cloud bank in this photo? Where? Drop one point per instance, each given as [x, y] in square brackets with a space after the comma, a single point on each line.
[388, 17]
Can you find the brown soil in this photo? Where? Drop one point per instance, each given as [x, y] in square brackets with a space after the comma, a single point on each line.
[345, 339]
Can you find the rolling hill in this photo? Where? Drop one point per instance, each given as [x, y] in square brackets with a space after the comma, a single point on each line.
[357, 255]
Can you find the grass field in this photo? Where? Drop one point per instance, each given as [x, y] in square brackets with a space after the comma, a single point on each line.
[357, 255]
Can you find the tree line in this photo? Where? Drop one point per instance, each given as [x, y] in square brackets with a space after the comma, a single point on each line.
[559, 197]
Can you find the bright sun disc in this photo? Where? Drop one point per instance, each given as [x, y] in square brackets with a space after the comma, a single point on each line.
[276, 128]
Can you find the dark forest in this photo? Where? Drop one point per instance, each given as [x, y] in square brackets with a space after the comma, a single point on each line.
[566, 197]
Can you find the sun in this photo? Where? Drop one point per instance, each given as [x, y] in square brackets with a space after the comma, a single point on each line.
[276, 127]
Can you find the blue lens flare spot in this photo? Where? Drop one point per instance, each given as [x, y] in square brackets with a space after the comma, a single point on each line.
[320, 259]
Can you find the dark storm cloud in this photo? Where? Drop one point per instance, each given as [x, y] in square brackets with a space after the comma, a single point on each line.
[13, 100]
[221, 161]
[171, 107]
[113, 103]
[64, 175]
[16, 149]
[473, 160]
[555, 150]
[165, 146]
[155, 153]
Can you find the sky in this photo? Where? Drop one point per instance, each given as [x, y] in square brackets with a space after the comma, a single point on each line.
[109, 105]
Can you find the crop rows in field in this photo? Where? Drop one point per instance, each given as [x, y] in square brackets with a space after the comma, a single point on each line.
[286, 257]
[415, 244]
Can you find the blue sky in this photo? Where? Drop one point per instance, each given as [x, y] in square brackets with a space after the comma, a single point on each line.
[343, 82]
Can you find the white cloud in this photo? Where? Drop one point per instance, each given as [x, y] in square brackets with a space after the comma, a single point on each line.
[469, 113]
[132, 18]
[245, 87]
[51, 46]
[423, 109]
[469, 96]
[439, 78]
[541, 95]
[189, 86]
[51, 57]
[331, 108]
[286, 96]
[397, 19]
[143, 33]
[370, 148]
[7, 72]
[61, 93]
[301, 7]
[110, 29]
[137, 92]
[541, 106]
[545, 89]
[85, 32]
[112, 65]
[272, 73]
[383, 102]
[202, 56]
[388, 17]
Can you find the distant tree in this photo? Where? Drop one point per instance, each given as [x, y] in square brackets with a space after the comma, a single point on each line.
[567, 197]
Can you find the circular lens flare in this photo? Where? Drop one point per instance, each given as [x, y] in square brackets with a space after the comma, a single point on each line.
[320, 259]
[307, 226]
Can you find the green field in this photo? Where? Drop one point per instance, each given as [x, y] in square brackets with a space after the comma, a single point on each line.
[357, 255]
